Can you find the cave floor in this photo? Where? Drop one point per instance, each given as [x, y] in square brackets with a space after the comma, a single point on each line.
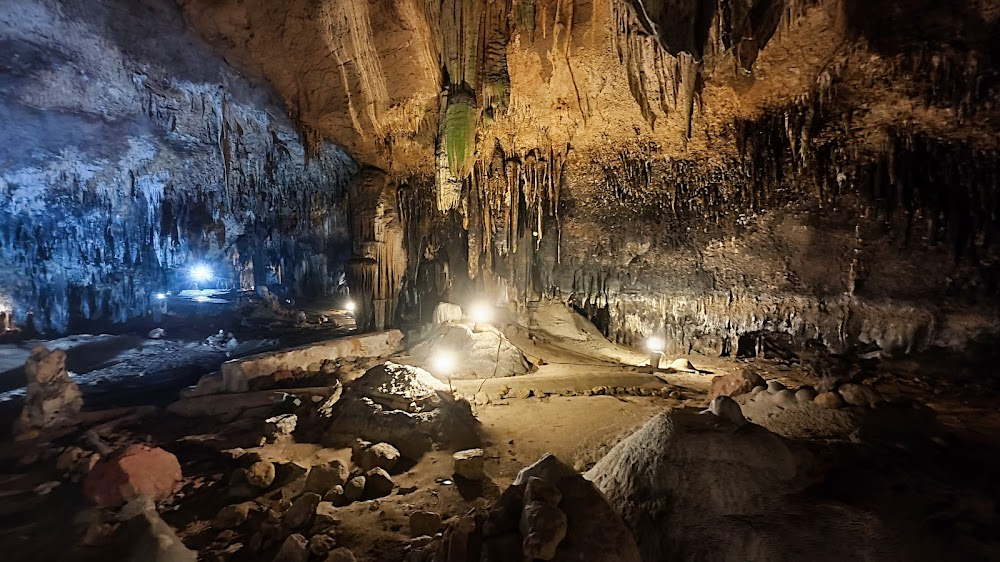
[931, 480]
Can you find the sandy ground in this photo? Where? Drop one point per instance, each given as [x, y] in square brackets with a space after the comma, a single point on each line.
[556, 419]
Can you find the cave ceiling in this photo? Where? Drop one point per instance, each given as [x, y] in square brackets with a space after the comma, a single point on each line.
[376, 76]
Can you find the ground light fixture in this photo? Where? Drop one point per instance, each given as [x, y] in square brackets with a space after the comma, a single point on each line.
[350, 307]
[201, 298]
[201, 273]
[160, 296]
[656, 344]
[481, 312]
[442, 362]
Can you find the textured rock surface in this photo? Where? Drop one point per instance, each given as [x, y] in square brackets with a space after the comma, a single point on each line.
[730, 495]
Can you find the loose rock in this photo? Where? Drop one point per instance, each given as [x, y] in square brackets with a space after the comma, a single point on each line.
[354, 489]
[830, 400]
[261, 474]
[378, 483]
[860, 395]
[302, 511]
[341, 555]
[469, 464]
[424, 523]
[233, 516]
[379, 455]
[294, 549]
[734, 384]
[726, 408]
[138, 470]
[321, 545]
[775, 387]
[323, 478]
[805, 395]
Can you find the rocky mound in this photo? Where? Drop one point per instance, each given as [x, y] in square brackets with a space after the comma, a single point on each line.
[696, 487]
[403, 405]
[477, 352]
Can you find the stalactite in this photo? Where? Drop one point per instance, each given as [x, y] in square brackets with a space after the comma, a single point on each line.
[158, 208]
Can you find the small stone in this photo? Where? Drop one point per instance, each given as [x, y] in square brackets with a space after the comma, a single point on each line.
[541, 491]
[424, 523]
[726, 408]
[280, 427]
[233, 516]
[322, 478]
[354, 489]
[447, 312]
[302, 511]
[68, 459]
[805, 395]
[681, 364]
[261, 474]
[775, 387]
[156, 334]
[379, 455]
[341, 555]
[294, 549]
[481, 399]
[785, 399]
[757, 390]
[326, 514]
[860, 395]
[378, 483]
[469, 464]
[335, 496]
[830, 400]
[321, 545]
[543, 526]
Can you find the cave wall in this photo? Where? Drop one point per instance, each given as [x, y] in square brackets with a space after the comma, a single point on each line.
[820, 170]
[131, 150]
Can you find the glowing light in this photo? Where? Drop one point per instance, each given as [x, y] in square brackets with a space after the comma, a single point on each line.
[481, 313]
[654, 343]
[349, 306]
[201, 273]
[201, 298]
[160, 296]
[442, 362]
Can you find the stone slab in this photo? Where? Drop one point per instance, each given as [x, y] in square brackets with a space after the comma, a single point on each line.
[238, 372]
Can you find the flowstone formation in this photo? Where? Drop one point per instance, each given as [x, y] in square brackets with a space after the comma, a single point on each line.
[705, 171]
[131, 151]
[53, 399]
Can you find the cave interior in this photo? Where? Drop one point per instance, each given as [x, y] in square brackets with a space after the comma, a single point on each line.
[499, 280]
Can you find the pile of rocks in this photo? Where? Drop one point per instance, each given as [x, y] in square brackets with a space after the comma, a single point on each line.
[296, 508]
[403, 405]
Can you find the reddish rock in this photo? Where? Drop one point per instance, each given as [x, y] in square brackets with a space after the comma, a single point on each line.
[138, 470]
[830, 400]
[734, 384]
[860, 395]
